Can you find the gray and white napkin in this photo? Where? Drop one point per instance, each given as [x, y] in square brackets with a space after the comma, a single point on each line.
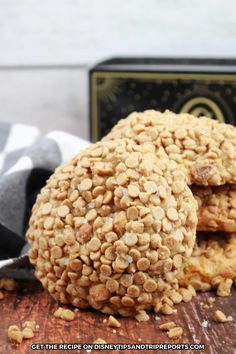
[27, 159]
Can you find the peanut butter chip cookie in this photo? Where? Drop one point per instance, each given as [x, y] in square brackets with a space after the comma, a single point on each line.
[212, 264]
[205, 147]
[216, 207]
[112, 228]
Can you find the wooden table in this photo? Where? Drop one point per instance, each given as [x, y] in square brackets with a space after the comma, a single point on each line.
[31, 302]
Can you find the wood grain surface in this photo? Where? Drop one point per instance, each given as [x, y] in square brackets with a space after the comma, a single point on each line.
[31, 302]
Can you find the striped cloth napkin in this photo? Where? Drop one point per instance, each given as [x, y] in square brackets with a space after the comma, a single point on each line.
[27, 159]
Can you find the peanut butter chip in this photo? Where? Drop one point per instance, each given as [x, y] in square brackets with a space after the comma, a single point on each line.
[64, 314]
[122, 179]
[158, 213]
[143, 264]
[99, 292]
[85, 185]
[130, 239]
[150, 285]
[63, 210]
[164, 252]
[48, 223]
[166, 309]
[133, 291]
[91, 215]
[43, 243]
[127, 301]
[121, 262]
[46, 209]
[133, 191]
[167, 326]
[106, 270]
[172, 214]
[142, 316]
[97, 152]
[175, 333]
[76, 265]
[113, 322]
[15, 334]
[219, 316]
[178, 187]
[150, 187]
[94, 244]
[180, 133]
[74, 195]
[56, 252]
[112, 285]
[131, 162]
[132, 213]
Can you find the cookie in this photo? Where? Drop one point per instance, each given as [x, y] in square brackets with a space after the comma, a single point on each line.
[205, 147]
[111, 229]
[216, 207]
[212, 264]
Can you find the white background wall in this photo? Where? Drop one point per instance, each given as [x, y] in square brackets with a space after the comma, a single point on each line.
[46, 48]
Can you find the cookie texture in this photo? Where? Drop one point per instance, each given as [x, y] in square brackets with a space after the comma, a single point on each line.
[112, 228]
[212, 264]
[216, 207]
[206, 148]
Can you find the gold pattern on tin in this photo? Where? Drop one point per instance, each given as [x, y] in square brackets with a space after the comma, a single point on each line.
[173, 77]
[202, 106]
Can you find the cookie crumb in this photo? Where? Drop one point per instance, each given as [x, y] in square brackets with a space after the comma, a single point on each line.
[1, 295]
[113, 322]
[27, 333]
[211, 300]
[99, 341]
[30, 324]
[205, 324]
[175, 333]
[167, 326]
[14, 334]
[17, 335]
[64, 314]
[224, 288]
[220, 317]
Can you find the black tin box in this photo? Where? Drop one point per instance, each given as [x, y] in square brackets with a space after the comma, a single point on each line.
[120, 86]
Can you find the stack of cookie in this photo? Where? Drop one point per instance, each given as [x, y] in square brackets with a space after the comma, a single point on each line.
[115, 228]
[206, 150]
